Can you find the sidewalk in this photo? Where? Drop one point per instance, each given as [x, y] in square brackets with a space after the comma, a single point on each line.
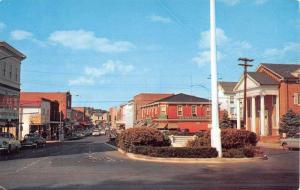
[269, 145]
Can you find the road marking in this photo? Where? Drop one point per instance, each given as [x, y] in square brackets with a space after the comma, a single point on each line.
[30, 164]
[2, 188]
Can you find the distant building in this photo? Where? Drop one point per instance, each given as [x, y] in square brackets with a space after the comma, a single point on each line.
[35, 116]
[143, 99]
[271, 91]
[10, 67]
[99, 117]
[63, 98]
[113, 111]
[128, 114]
[178, 112]
[226, 97]
[87, 114]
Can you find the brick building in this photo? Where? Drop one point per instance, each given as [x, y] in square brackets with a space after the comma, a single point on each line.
[63, 98]
[143, 99]
[271, 91]
[178, 112]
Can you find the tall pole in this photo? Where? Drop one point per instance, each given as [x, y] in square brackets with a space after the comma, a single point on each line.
[215, 130]
[245, 65]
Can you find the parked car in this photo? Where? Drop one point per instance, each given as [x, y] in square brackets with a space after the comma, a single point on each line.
[102, 132]
[291, 142]
[8, 143]
[73, 136]
[96, 132]
[33, 141]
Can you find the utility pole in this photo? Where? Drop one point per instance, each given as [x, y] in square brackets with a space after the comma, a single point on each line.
[215, 129]
[245, 65]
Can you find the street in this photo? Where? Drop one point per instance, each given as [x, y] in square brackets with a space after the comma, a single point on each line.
[90, 164]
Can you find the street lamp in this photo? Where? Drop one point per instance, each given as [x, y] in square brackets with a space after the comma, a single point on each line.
[215, 129]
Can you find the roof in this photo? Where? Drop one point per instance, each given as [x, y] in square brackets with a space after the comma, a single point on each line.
[13, 50]
[283, 70]
[262, 78]
[228, 86]
[182, 98]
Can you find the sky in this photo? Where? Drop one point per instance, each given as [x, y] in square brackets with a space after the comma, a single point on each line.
[106, 51]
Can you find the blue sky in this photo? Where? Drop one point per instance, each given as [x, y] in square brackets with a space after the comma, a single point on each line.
[106, 51]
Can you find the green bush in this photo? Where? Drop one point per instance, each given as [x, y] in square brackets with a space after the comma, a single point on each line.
[290, 123]
[175, 152]
[141, 136]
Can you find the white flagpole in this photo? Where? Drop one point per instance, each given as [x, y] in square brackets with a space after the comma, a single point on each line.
[215, 130]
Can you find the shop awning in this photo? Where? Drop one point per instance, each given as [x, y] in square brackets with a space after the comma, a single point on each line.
[162, 126]
[172, 126]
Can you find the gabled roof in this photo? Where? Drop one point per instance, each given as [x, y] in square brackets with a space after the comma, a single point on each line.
[227, 86]
[262, 78]
[283, 70]
[182, 98]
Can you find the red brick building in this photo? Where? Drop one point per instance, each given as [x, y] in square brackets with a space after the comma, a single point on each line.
[178, 112]
[143, 99]
[271, 91]
[63, 98]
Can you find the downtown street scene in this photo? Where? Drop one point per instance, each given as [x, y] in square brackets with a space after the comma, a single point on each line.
[149, 94]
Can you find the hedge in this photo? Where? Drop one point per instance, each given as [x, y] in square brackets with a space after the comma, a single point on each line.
[230, 138]
[248, 151]
[175, 152]
[141, 136]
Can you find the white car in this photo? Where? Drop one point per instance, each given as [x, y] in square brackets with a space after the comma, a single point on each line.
[8, 143]
[96, 132]
[102, 132]
[291, 142]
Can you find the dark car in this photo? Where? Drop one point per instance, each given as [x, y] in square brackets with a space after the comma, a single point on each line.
[73, 136]
[33, 140]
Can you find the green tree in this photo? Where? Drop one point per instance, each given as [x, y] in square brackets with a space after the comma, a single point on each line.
[225, 122]
[290, 123]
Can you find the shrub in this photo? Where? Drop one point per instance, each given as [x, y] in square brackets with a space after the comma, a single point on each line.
[248, 151]
[225, 122]
[290, 123]
[141, 136]
[201, 141]
[175, 152]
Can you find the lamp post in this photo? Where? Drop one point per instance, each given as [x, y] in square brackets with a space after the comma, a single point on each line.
[215, 130]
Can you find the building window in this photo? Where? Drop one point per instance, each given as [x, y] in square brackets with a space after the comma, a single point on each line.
[297, 98]
[194, 110]
[163, 110]
[16, 75]
[232, 110]
[10, 72]
[4, 69]
[208, 111]
[179, 110]
[231, 98]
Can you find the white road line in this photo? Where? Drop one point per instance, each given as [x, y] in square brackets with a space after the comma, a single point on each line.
[30, 165]
[2, 188]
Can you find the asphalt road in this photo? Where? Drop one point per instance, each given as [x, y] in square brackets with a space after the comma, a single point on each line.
[91, 164]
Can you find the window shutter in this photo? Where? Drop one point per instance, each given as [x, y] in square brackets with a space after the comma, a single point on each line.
[296, 98]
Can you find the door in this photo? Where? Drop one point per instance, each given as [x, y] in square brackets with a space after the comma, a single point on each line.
[266, 123]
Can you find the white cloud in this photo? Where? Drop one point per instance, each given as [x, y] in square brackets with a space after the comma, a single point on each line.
[282, 54]
[86, 40]
[2, 25]
[221, 38]
[203, 58]
[160, 19]
[226, 46]
[93, 74]
[81, 81]
[21, 35]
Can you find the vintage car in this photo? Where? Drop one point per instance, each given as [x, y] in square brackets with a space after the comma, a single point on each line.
[96, 132]
[8, 143]
[33, 140]
[291, 142]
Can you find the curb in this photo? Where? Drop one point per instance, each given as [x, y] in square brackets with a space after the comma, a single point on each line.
[184, 160]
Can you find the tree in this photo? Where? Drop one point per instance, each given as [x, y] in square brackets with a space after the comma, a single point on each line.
[290, 123]
[225, 122]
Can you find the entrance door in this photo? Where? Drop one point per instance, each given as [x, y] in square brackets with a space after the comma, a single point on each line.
[266, 122]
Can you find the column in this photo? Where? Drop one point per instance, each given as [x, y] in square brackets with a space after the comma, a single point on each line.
[277, 112]
[253, 115]
[246, 118]
[238, 114]
[262, 115]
